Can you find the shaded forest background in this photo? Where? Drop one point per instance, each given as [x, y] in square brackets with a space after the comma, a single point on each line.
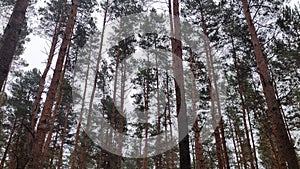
[242, 83]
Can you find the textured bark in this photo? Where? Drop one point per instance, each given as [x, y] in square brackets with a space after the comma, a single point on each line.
[2, 91]
[184, 152]
[285, 147]
[56, 108]
[44, 121]
[44, 75]
[10, 38]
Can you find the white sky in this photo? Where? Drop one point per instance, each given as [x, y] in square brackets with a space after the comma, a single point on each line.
[35, 52]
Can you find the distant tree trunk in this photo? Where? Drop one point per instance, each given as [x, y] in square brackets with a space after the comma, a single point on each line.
[64, 132]
[252, 139]
[158, 158]
[46, 113]
[167, 110]
[184, 151]
[285, 147]
[74, 154]
[121, 118]
[168, 120]
[146, 104]
[10, 38]
[223, 158]
[90, 110]
[234, 144]
[213, 99]
[241, 93]
[237, 131]
[200, 163]
[44, 75]
[8, 143]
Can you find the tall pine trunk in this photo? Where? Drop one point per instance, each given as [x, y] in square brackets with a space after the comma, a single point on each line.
[10, 38]
[184, 151]
[234, 144]
[241, 94]
[56, 108]
[75, 151]
[285, 147]
[46, 70]
[43, 125]
[200, 160]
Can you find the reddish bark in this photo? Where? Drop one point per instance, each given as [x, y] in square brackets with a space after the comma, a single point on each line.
[44, 121]
[10, 38]
[285, 147]
[44, 75]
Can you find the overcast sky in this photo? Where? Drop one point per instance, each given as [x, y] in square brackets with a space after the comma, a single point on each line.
[36, 49]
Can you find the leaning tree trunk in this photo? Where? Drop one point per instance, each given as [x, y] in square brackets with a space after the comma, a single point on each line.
[285, 147]
[46, 70]
[55, 111]
[43, 125]
[10, 38]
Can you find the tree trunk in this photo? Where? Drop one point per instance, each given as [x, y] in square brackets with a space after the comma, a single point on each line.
[74, 154]
[221, 145]
[184, 151]
[8, 144]
[64, 132]
[285, 147]
[241, 94]
[46, 113]
[158, 158]
[200, 163]
[168, 110]
[121, 118]
[56, 107]
[10, 38]
[234, 145]
[44, 75]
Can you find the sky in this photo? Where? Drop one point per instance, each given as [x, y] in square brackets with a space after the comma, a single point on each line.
[36, 49]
